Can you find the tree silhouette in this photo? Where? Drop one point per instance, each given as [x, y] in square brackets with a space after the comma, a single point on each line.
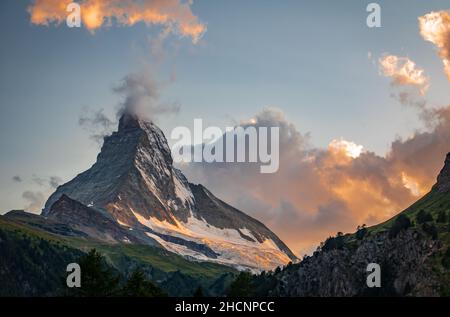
[97, 278]
[242, 286]
[333, 243]
[402, 222]
[139, 286]
[423, 217]
[430, 229]
[361, 232]
[442, 217]
[199, 292]
[446, 259]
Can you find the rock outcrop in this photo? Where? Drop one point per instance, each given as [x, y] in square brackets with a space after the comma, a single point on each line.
[405, 265]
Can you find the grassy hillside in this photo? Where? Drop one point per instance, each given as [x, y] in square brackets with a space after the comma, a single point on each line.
[433, 203]
[430, 217]
[34, 255]
[436, 227]
[31, 264]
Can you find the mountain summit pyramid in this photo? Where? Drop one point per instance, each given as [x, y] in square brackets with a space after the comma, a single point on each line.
[135, 185]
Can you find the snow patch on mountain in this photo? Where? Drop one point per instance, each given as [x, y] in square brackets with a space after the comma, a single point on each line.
[122, 223]
[232, 248]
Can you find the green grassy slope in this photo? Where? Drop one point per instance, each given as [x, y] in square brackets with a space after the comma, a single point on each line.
[433, 203]
[31, 264]
[25, 244]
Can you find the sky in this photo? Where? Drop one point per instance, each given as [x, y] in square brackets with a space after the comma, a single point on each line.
[312, 67]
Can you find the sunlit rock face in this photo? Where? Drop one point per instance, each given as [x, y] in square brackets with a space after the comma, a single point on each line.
[134, 183]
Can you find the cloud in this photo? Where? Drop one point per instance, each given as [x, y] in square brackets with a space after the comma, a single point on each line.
[173, 15]
[345, 148]
[54, 181]
[404, 72]
[141, 94]
[435, 28]
[156, 45]
[35, 200]
[38, 180]
[320, 191]
[96, 123]
[17, 179]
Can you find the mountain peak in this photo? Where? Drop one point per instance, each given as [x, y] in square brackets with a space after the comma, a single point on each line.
[156, 143]
[129, 121]
[443, 179]
[134, 184]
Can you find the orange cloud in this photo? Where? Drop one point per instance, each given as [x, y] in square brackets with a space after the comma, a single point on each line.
[320, 191]
[404, 72]
[174, 15]
[49, 11]
[435, 28]
[347, 148]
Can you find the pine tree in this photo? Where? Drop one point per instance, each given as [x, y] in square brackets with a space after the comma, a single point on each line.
[199, 292]
[242, 286]
[97, 277]
[139, 286]
[423, 217]
[401, 223]
[442, 217]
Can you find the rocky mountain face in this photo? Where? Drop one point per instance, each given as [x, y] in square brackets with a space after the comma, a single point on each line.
[134, 194]
[91, 222]
[404, 261]
[133, 172]
[443, 180]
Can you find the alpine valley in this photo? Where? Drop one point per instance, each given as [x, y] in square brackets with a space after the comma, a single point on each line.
[140, 212]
